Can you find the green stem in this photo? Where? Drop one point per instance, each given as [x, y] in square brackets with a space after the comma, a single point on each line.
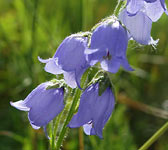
[71, 111]
[154, 137]
[64, 128]
[52, 137]
[54, 132]
[50, 129]
[118, 7]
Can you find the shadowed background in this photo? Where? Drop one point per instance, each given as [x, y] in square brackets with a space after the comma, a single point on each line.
[31, 28]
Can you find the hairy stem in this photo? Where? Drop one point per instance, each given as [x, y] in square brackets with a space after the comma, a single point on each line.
[118, 7]
[71, 111]
[64, 128]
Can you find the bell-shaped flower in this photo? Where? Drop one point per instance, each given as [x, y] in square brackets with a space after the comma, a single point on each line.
[133, 6]
[139, 26]
[152, 8]
[42, 104]
[108, 46]
[69, 59]
[94, 110]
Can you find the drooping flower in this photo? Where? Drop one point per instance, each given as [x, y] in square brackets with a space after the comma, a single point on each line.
[42, 104]
[69, 59]
[108, 46]
[152, 8]
[139, 26]
[94, 110]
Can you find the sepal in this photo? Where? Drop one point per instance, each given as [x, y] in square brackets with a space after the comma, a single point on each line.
[55, 83]
[104, 83]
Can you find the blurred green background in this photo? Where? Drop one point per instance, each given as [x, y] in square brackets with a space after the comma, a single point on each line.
[31, 28]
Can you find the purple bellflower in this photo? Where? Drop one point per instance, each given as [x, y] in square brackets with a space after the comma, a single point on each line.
[69, 59]
[152, 8]
[139, 26]
[42, 104]
[108, 46]
[138, 17]
[94, 110]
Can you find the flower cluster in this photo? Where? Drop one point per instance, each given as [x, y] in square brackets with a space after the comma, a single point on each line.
[105, 45]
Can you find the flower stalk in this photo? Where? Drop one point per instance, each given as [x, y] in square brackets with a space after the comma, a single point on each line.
[160, 132]
[70, 112]
[118, 7]
[69, 116]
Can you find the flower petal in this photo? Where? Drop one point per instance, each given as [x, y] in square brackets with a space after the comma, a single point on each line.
[87, 128]
[150, 1]
[34, 126]
[108, 41]
[139, 26]
[111, 105]
[94, 55]
[101, 111]
[126, 65]
[51, 66]
[45, 131]
[83, 115]
[133, 6]
[154, 10]
[108, 38]
[119, 42]
[78, 74]
[164, 6]
[47, 105]
[44, 60]
[110, 65]
[31, 99]
[94, 110]
[20, 105]
[70, 79]
[70, 53]
[43, 104]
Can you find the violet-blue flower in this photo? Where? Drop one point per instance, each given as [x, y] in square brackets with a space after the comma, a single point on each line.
[69, 59]
[42, 104]
[94, 110]
[139, 26]
[153, 8]
[108, 46]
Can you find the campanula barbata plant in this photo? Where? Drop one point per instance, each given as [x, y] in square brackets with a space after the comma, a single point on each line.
[105, 47]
